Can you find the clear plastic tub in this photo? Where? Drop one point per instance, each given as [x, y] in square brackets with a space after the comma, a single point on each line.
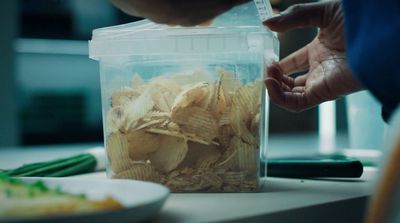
[186, 107]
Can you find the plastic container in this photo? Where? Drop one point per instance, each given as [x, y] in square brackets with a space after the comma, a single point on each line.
[186, 107]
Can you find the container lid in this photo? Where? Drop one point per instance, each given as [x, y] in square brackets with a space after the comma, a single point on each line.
[237, 30]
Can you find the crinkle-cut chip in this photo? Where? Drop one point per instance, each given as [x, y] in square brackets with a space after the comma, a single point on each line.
[250, 185]
[243, 100]
[174, 174]
[191, 96]
[151, 119]
[241, 118]
[225, 135]
[166, 85]
[189, 182]
[170, 154]
[155, 116]
[200, 156]
[164, 93]
[201, 75]
[198, 121]
[242, 112]
[170, 128]
[140, 171]
[225, 118]
[160, 101]
[187, 171]
[138, 109]
[189, 78]
[123, 96]
[208, 99]
[115, 119]
[255, 125]
[229, 83]
[149, 124]
[195, 138]
[141, 144]
[257, 88]
[117, 152]
[248, 156]
[233, 177]
[212, 179]
[166, 132]
[217, 104]
[185, 184]
[208, 160]
[137, 81]
[229, 161]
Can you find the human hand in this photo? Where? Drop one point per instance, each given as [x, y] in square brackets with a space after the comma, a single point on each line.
[328, 76]
[177, 12]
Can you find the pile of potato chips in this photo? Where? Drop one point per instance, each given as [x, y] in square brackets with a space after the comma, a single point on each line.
[188, 132]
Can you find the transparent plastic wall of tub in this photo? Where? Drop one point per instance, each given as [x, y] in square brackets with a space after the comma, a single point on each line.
[186, 107]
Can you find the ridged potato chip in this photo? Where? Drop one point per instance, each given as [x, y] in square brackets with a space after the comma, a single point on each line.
[233, 177]
[192, 77]
[167, 128]
[140, 171]
[123, 96]
[225, 118]
[255, 125]
[229, 160]
[164, 93]
[115, 119]
[212, 179]
[198, 121]
[138, 109]
[225, 135]
[242, 114]
[200, 156]
[191, 96]
[137, 81]
[160, 101]
[141, 144]
[247, 156]
[149, 124]
[186, 184]
[229, 83]
[258, 88]
[216, 102]
[170, 154]
[117, 152]
[250, 185]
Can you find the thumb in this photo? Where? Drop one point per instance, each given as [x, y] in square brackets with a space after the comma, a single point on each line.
[298, 16]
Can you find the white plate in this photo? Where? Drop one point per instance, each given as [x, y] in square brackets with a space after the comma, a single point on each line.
[141, 200]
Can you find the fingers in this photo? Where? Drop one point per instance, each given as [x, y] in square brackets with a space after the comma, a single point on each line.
[300, 80]
[298, 16]
[295, 62]
[280, 90]
[289, 93]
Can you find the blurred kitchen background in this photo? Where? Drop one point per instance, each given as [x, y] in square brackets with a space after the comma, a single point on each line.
[50, 90]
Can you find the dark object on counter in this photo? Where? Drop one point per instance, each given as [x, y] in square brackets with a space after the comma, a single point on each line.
[314, 168]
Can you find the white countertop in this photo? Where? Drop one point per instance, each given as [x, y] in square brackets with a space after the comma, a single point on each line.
[281, 200]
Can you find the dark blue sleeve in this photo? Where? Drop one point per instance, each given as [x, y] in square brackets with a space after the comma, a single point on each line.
[373, 46]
